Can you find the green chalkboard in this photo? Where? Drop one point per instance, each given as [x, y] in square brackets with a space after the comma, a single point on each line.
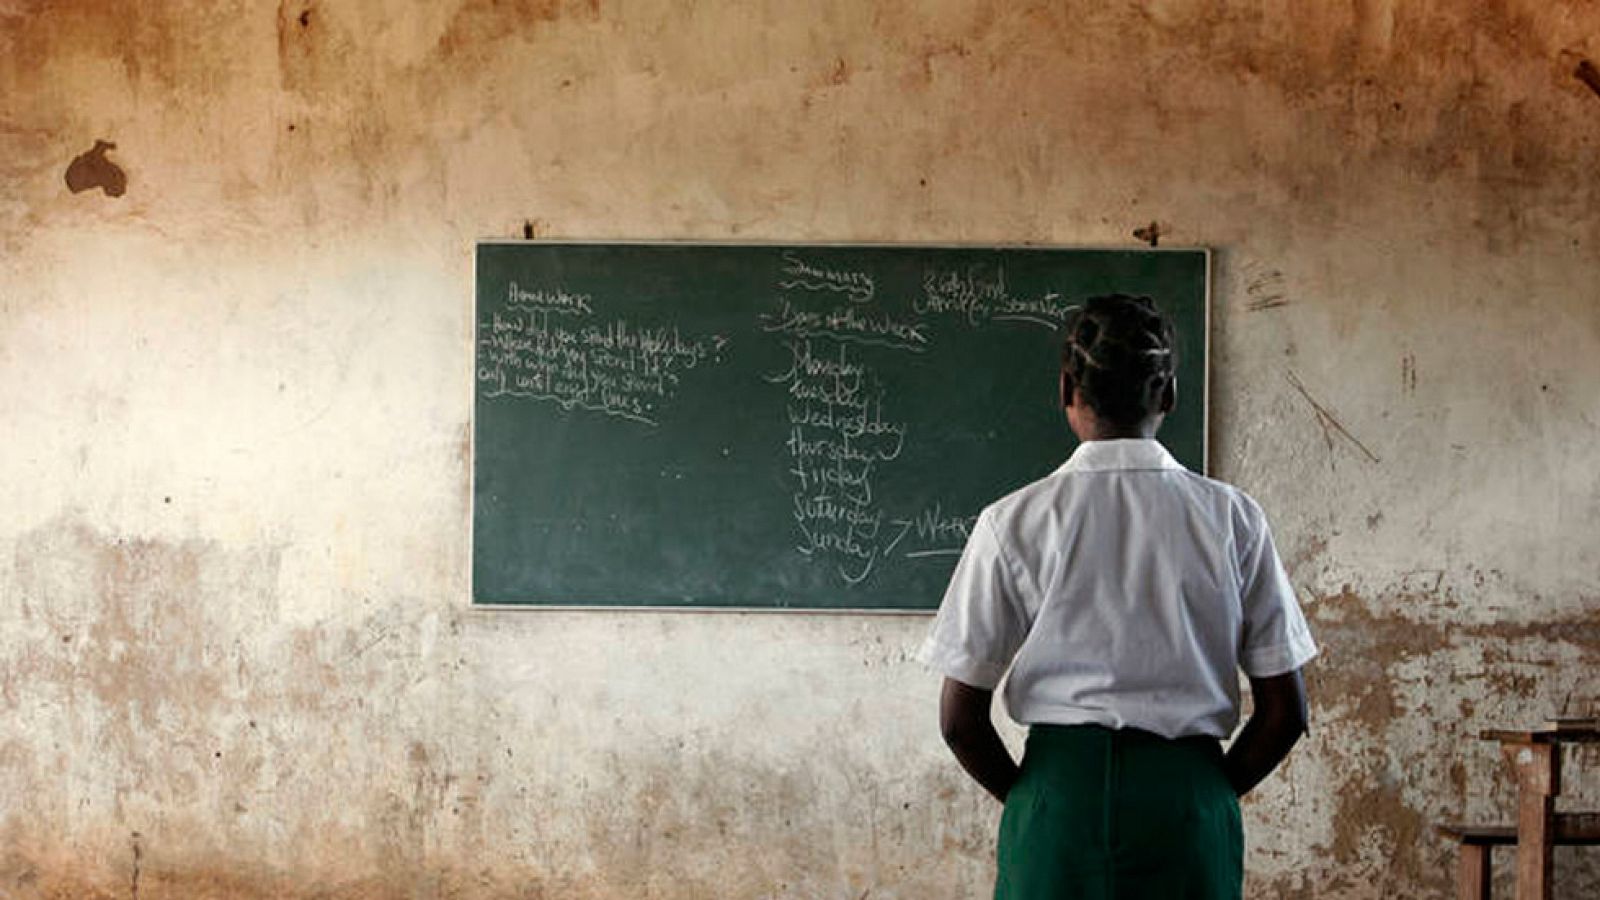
[813, 427]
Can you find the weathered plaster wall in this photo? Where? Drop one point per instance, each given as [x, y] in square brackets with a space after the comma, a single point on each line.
[235, 656]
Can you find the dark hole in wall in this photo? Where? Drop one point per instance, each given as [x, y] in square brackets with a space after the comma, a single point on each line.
[91, 169]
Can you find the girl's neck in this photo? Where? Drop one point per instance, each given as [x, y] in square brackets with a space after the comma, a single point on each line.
[1089, 428]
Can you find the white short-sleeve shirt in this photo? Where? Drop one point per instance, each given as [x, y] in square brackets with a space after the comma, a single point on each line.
[1123, 590]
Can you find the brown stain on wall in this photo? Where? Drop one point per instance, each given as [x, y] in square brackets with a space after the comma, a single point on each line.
[1354, 683]
[144, 648]
[1443, 93]
[1463, 93]
[481, 24]
[343, 152]
[154, 627]
[682, 827]
[134, 652]
[224, 879]
[91, 169]
[668, 823]
[318, 57]
[838, 73]
[161, 47]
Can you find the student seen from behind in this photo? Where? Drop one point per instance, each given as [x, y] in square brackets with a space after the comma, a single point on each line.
[1121, 596]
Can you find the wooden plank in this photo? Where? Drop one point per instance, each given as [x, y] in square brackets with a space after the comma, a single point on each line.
[1573, 734]
[1538, 772]
[1573, 724]
[1473, 873]
[1570, 829]
[1578, 828]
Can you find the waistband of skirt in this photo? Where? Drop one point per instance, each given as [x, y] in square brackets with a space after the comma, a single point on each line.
[1101, 734]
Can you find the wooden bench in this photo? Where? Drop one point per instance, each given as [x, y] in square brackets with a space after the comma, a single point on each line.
[1475, 841]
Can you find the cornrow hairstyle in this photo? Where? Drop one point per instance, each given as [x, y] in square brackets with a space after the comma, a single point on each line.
[1119, 354]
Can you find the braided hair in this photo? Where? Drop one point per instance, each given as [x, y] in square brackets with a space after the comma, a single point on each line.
[1119, 355]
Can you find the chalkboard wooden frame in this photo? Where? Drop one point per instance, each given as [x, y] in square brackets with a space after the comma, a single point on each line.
[1195, 328]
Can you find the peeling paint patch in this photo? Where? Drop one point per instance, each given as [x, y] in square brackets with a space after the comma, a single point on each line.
[91, 169]
[1379, 677]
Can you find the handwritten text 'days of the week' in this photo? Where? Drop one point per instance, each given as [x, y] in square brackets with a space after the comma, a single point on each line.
[838, 434]
[843, 434]
[548, 347]
[822, 301]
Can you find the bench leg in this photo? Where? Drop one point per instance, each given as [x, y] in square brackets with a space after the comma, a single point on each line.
[1538, 768]
[1472, 872]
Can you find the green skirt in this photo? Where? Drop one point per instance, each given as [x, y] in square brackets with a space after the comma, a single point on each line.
[1101, 814]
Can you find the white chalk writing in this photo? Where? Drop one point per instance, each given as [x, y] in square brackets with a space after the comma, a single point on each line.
[976, 296]
[612, 366]
[839, 433]
[931, 532]
[798, 274]
[848, 323]
[1048, 310]
[554, 300]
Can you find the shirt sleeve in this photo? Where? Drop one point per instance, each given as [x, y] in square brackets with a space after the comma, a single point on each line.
[981, 623]
[1276, 638]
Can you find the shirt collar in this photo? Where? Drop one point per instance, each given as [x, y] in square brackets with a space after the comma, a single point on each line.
[1120, 455]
